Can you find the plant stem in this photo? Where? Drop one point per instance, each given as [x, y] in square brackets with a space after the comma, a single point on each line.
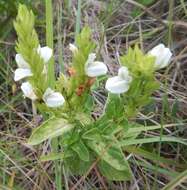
[51, 81]
[78, 18]
[49, 40]
[59, 26]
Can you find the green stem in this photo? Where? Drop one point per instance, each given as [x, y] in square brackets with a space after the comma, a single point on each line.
[49, 40]
[78, 18]
[51, 82]
[59, 26]
[58, 165]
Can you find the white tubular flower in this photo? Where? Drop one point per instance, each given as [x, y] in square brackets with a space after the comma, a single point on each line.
[52, 98]
[162, 54]
[21, 62]
[21, 73]
[28, 91]
[23, 68]
[94, 68]
[119, 84]
[73, 48]
[45, 53]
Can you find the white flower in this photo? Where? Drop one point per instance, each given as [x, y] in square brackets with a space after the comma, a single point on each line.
[45, 53]
[21, 73]
[52, 98]
[23, 69]
[28, 91]
[162, 54]
[94, 68]
[73, 48]
[21, 62]
[119, 84]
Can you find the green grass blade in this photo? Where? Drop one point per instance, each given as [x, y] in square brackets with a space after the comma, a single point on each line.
[176, 181]
[78, 18]
[152, 140]
[49, 40]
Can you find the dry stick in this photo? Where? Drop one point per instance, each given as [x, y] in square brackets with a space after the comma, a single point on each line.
[19, 168]
[100, 178]
[20, 115]
[146, 10]
[163, 22]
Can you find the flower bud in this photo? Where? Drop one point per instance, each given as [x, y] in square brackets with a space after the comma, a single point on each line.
[94, 68]
[45, 53]
[119, 84]
[23, 69]
[28, 91]
[162, 55]
[52, 98]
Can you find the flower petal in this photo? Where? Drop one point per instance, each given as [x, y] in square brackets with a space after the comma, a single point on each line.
[28, 91]
[162, 55]
[21, 62]
[52, 98]
[45, 53]
[167, 58]
[22, 73]
[116, 85]
[96, 68]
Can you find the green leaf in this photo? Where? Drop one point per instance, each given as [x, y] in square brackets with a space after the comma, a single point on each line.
[76, 165]
[49, 129]
[80, 148]
[55, 156]
[112, 174]
[51, 157]
[114, 107]
[112, 155]
[182, 177]
[92, 134]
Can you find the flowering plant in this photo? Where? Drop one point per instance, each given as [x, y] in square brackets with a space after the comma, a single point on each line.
[69, 103]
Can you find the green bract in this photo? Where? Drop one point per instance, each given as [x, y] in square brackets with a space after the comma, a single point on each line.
[87, 141]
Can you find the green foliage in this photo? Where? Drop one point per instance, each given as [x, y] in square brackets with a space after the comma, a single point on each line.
[112, 155]
[85, 47]
[85, 141]
[144, 83]
[113, 174]
[138, 63]
[24, 26]
[82, 151]
[114, 108]
[49, 129]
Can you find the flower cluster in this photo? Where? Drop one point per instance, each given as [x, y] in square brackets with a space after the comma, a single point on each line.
[50, 97]
[116, 85]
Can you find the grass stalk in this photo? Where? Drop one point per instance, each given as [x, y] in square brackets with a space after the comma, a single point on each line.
[176, 181]
[49, 40]
[69, 6]
[78, 18]
[59, 26]
[51, 81]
